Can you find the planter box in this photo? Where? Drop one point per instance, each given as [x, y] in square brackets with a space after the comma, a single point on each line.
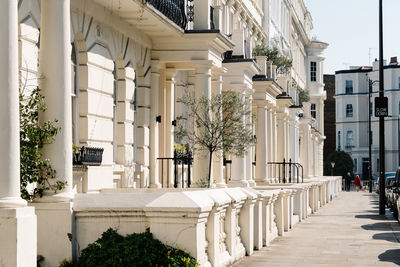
[90, 156]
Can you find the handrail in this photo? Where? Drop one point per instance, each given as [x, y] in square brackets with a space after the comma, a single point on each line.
[288, 172]
[178, 159]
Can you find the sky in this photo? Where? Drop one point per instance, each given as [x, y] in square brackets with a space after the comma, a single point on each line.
[351, 28]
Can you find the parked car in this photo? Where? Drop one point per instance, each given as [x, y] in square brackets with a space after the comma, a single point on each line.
[392, 193]
[388, 176]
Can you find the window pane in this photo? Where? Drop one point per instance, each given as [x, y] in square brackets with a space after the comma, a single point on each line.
[349, 86]
[313, 71]
[349, 139]
[313, 111]
[349, 110]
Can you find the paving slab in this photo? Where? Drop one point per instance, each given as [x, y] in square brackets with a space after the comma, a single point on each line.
[345, 232]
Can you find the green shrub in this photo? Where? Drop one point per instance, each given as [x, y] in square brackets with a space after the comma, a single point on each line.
[113, 249]
[34, 168]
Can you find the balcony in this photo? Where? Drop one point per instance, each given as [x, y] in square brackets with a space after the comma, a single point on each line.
[172, 9]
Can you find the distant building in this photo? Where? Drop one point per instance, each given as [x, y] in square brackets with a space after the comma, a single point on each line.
[330, 117]
[352, 116]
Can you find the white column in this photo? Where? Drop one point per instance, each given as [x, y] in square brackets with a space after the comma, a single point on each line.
[169, 117]
[239, 163]
[274, 135]
[287, 135]
[202, 88]
[291, 140]
[261, 146]
[270, 143]
[55, 83]
[281, 146]
[17, 222]
[218, 157]
[155, 83]
[10, 195]
[249, 155]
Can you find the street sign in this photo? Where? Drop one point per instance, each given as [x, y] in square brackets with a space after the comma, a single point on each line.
[381, 107]
[333, 164]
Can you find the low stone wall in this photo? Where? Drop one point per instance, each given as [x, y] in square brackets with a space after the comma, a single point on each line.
[217, 226]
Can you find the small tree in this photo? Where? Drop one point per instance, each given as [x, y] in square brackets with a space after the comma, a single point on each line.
[33, 168]
[343, 164]
[219, 125]
[282, 63]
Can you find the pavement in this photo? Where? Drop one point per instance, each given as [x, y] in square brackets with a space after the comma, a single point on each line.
[345, 232]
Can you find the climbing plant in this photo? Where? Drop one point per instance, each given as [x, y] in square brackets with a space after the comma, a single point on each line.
[36, 173]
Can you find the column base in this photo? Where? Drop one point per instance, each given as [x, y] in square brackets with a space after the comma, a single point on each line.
[62, 197]
[156, 185]
[54, 222]
[12, 202]
[262, 182]
[252, 183]
[242, 183]
[18, 237]
[221, 185]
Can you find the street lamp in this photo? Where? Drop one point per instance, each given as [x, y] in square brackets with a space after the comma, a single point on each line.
[381, 118]
[370, 84]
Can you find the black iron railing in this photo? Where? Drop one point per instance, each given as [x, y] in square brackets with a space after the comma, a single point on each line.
[179, 163]
[172, 9]
[287, 171]
[90, 156]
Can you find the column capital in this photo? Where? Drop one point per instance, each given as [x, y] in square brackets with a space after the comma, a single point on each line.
[170, 75]
[261, 103]
[203, 66]
[155, 65]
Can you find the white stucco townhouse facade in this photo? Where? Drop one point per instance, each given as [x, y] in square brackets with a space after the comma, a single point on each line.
[111, 73]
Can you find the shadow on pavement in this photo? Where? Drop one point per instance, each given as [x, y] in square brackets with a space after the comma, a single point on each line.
[391, 255]
[381, 226]
[391, 237]
[371, 217]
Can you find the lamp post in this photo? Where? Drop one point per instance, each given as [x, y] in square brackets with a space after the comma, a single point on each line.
[370, 84]
[381, 118]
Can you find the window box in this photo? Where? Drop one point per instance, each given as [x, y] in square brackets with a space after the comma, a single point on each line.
[89, 156]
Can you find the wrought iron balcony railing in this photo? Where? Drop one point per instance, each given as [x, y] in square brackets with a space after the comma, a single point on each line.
[89, 156]
[173, 9]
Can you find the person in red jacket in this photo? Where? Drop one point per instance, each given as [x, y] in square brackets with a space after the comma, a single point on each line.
[357, 183]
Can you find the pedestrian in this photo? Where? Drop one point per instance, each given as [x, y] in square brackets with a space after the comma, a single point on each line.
[357, 183]
[347, 180]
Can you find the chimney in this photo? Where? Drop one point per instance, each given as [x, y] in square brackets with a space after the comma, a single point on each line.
[393, 61]
[375, 64]
[262, 62]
